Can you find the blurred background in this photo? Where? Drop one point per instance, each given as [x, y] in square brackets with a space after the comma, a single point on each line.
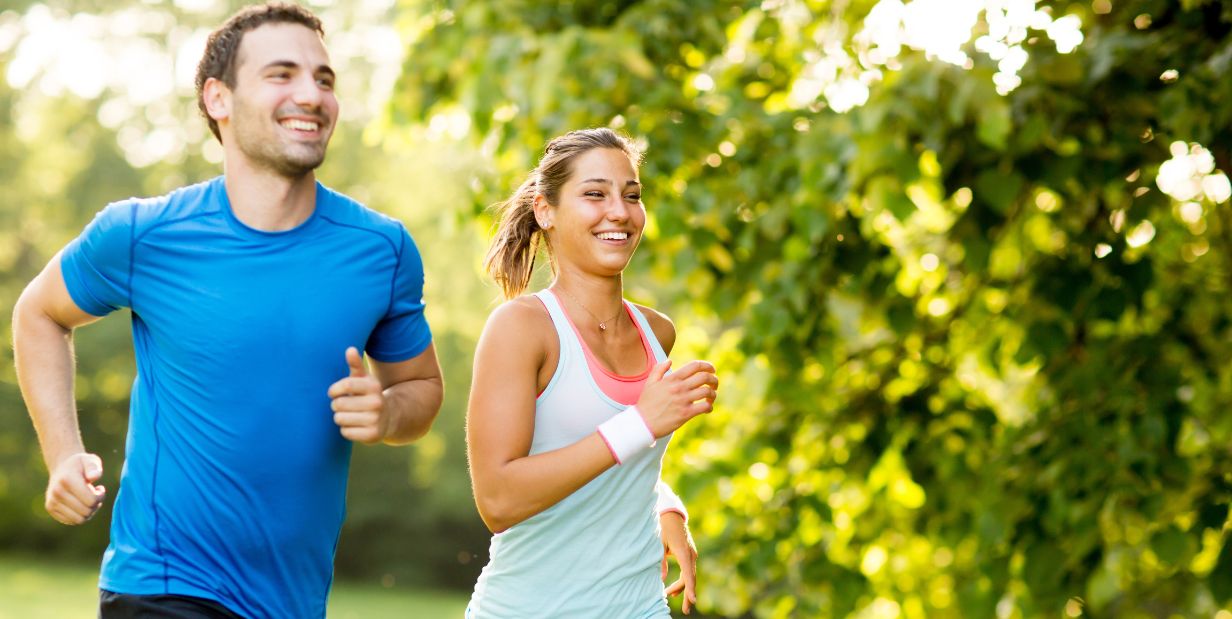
[964, 267]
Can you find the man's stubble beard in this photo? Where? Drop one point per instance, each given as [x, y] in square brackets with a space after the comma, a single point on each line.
[296, 161]
[290, 161]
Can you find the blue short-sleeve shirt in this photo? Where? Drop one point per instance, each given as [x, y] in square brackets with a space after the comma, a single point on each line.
[234, 481]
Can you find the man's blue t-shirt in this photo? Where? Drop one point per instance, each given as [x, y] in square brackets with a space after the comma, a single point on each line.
[234, 480]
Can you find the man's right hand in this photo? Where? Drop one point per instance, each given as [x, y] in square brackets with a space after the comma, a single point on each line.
[72, 497]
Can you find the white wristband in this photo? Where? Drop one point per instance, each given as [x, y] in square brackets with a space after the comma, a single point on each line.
[626, 434]
[668, 501]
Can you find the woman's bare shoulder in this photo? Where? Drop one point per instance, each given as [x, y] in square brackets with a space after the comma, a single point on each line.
[663, 327]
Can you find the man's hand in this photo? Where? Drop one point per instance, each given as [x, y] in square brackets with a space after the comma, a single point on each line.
[72, 498]
[358, 403]
[678, 543]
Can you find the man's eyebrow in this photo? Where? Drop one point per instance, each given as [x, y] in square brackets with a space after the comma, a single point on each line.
[290, 64]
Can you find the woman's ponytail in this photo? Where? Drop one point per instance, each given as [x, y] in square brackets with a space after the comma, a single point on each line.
[511, 257]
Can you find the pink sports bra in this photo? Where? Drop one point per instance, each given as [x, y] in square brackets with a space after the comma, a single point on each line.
[623, 389]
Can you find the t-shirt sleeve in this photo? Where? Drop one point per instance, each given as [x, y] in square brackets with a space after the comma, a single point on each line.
[97, 264]
[403, 332]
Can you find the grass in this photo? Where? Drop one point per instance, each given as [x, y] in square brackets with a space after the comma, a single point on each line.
[34, 588]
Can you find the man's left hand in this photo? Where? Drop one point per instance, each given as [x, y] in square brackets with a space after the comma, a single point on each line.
[358, 402]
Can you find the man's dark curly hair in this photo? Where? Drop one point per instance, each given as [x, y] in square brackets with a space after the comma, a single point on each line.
[222, 47]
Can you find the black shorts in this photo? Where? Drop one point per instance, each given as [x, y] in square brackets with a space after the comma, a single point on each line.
[125, 606]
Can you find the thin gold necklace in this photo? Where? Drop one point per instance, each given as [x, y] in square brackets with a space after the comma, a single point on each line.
[602, 323]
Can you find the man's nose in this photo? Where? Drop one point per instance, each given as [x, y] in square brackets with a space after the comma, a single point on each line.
[308, 92]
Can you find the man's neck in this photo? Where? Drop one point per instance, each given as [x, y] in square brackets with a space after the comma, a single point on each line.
[267, 201]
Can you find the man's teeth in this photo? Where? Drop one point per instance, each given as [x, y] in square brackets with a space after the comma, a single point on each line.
[300, 125]
[613, 236]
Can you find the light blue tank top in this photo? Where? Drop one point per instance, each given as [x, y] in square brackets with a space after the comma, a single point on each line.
[597, 552]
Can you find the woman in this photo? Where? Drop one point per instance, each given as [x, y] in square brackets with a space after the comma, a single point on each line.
[572, 407]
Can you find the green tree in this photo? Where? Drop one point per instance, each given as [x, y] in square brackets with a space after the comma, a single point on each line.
[974, 357]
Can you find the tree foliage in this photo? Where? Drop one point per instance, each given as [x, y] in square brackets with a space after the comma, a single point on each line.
[974, 359]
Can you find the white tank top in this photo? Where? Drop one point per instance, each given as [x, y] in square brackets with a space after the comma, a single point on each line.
[597, 552]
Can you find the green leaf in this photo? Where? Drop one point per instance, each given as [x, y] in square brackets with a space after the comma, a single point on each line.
[886, 193]
[1032, 133]
[994, 124]
[1220, 580]
[1045, 339]
[1043, 568]
[1171, 545]
[998, 190]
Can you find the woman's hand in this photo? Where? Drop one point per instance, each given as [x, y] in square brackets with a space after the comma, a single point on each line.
[669, 400]
[678, 543]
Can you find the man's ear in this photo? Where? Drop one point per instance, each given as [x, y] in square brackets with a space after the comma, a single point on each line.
[217, 99]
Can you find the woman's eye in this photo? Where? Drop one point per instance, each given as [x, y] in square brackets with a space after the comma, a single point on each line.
[634, 197]
[594, 194]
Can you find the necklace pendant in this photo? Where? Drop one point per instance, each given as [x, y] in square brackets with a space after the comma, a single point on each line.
[603, 326]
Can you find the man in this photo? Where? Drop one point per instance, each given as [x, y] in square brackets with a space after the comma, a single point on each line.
[251, 296]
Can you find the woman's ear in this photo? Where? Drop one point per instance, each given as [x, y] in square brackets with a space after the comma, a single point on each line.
[543, 211]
